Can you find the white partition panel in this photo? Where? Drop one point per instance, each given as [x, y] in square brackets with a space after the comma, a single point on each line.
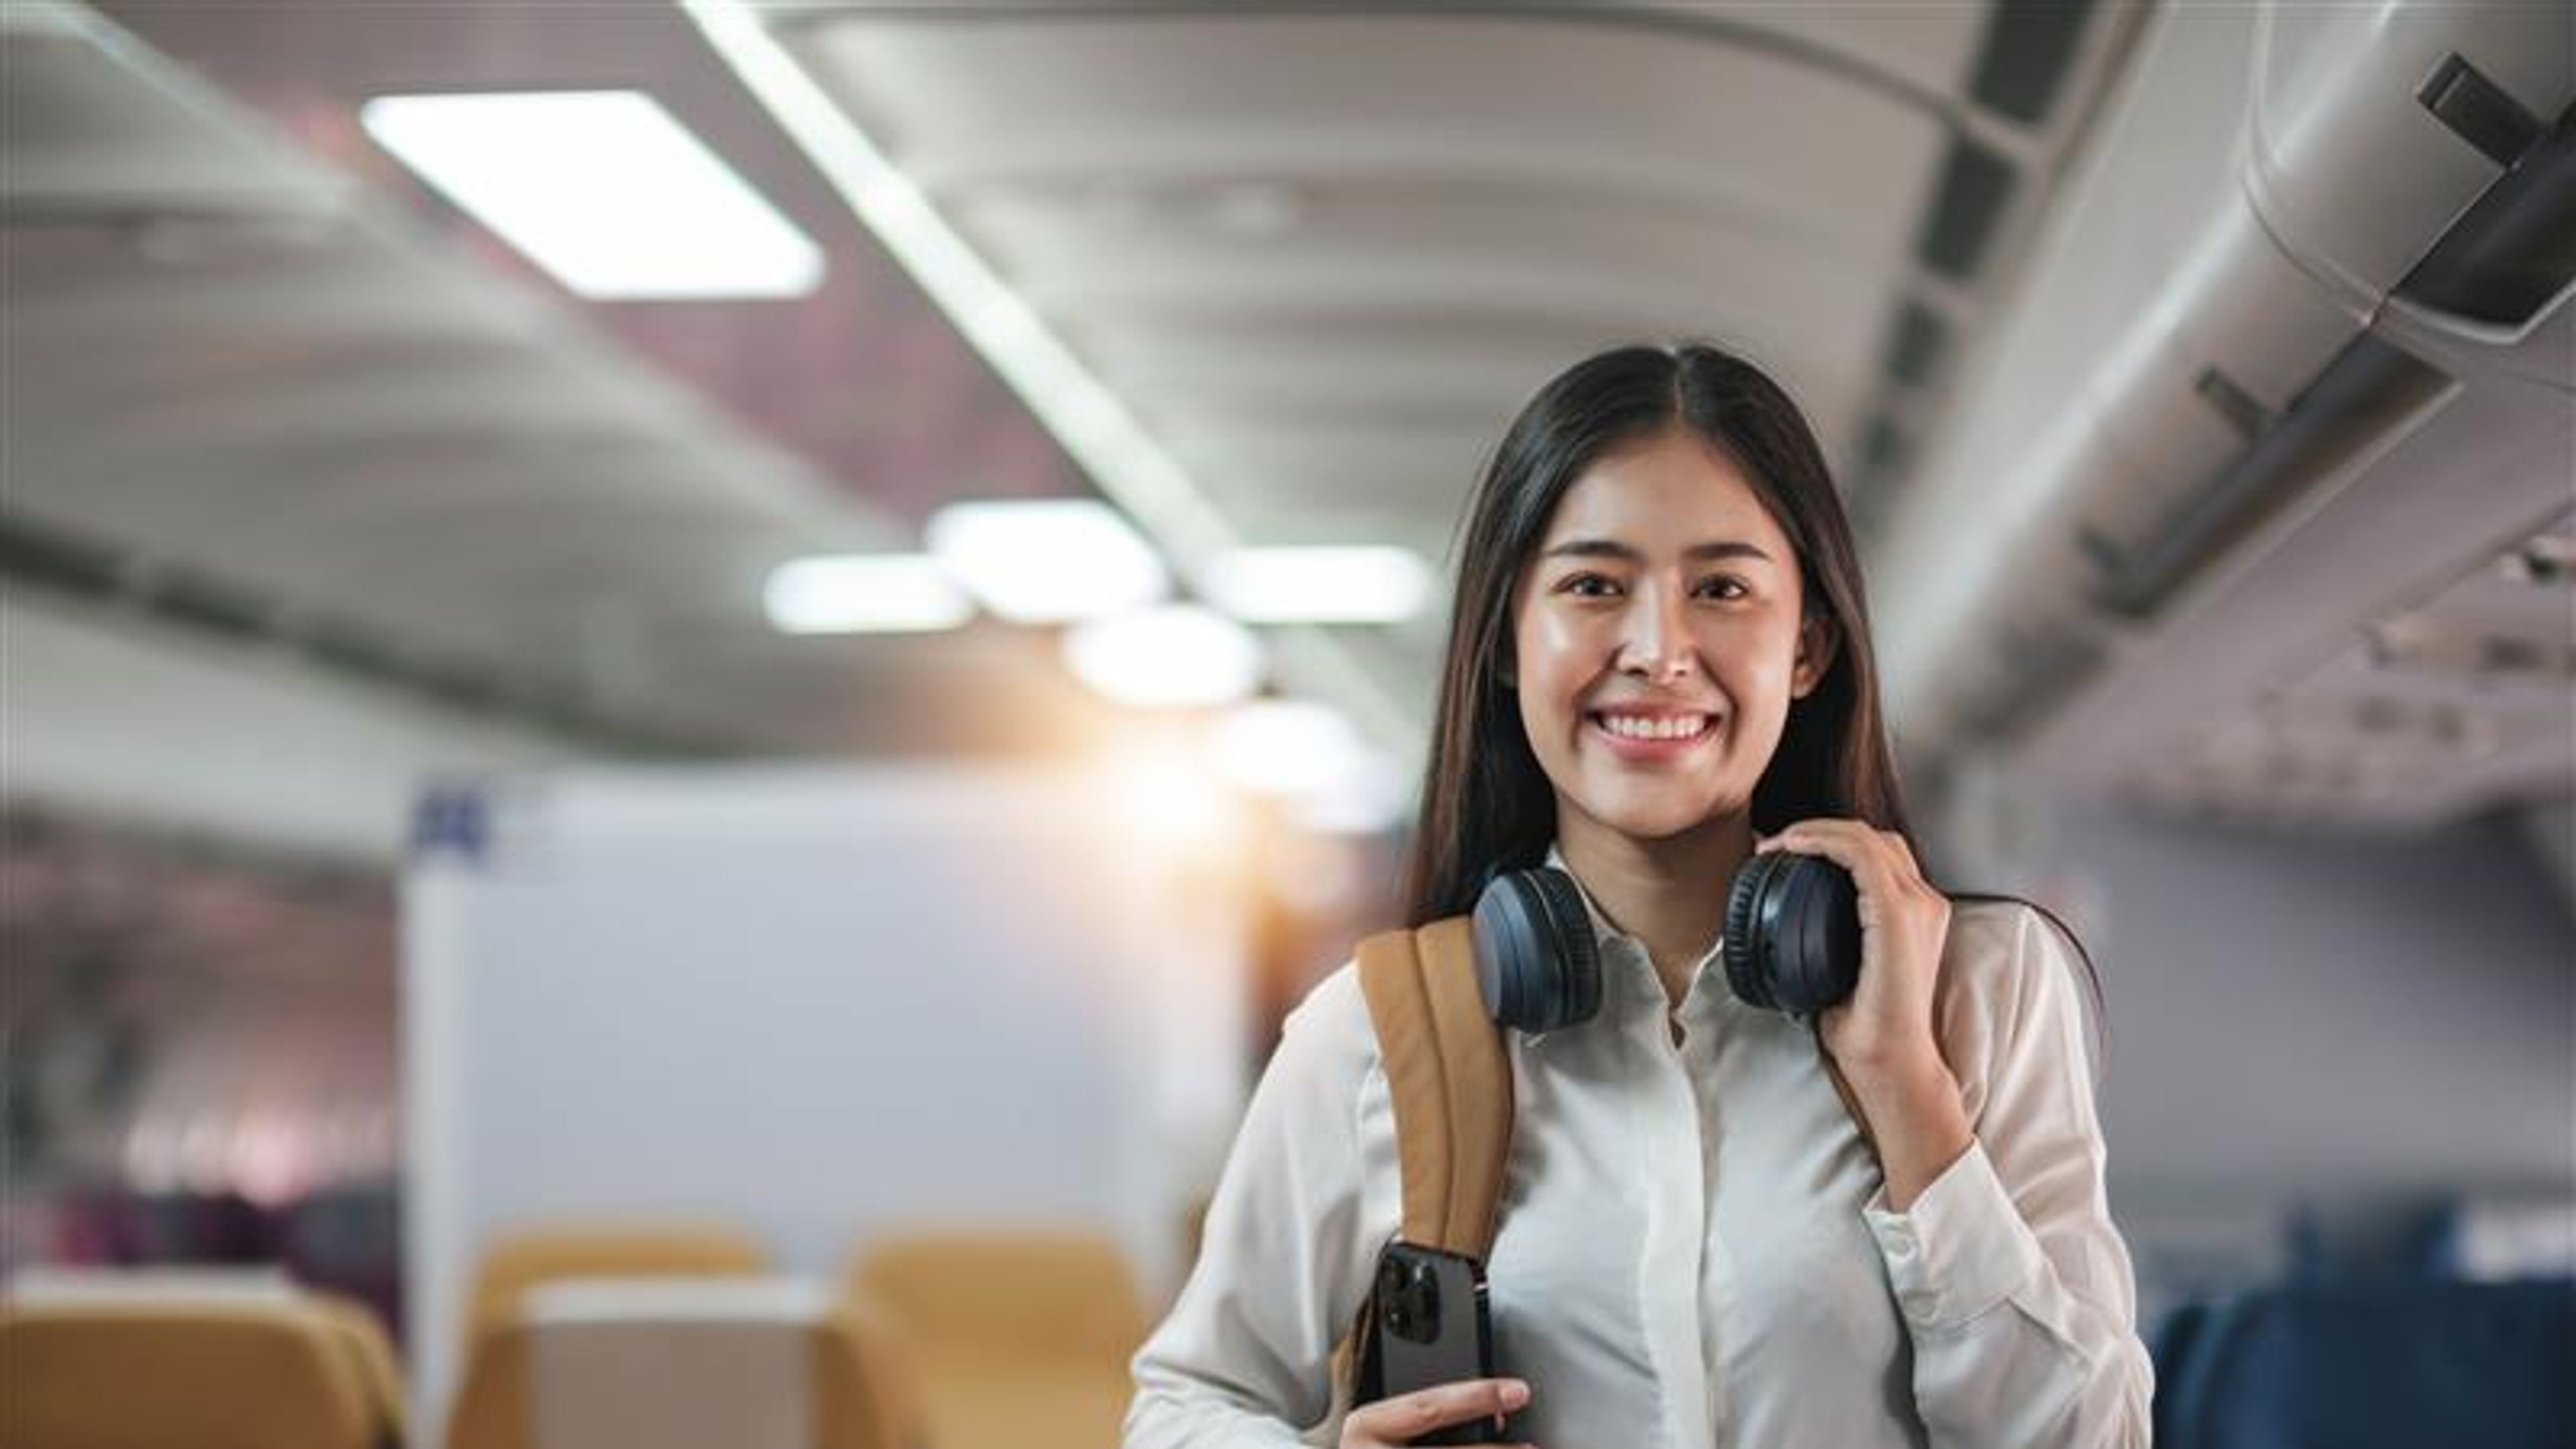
[814, 1002]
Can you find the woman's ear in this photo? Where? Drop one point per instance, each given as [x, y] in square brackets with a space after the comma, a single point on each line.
[1818, 642]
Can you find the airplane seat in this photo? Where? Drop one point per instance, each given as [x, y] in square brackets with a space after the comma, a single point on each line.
[1016, 1337]
[207, 1372]
[2169, 1346]
[371, 1350]
[864, 1378]
[674, 1362]
[2379, 1365]
[519, 1261]
[147, 1312]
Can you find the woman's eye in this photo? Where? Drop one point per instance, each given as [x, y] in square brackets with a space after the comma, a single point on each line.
[1588, 586]
[1724, 588]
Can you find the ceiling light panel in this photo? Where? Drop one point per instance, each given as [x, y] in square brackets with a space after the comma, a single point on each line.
[1172, 656]
[602, 189]
[864, 594]
[1288, 747]
[1342, 585]
[1309, 756]
[1047, 560]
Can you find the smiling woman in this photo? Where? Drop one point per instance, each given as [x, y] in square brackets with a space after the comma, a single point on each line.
[1717, 1224]
[1691, 475]
[1649, 640]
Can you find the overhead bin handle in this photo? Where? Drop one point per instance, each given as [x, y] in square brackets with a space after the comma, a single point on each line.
[2479, 111]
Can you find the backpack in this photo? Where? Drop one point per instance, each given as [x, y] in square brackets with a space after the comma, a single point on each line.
[1451, 1087]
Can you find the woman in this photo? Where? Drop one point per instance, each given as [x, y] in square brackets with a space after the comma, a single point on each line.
[1660, 662]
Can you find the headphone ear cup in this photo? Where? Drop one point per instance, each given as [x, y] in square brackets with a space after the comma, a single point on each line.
[1536, 961]
[1578, 953]
[1792, 933]
[1743, 946]
[1817, 961]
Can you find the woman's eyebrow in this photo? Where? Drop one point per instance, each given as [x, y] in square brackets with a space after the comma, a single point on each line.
[1629, 553]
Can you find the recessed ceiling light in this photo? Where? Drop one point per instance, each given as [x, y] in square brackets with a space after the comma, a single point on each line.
[1172, 656]
[1048, 560]
[1365, 585]
[603, 189]
[864, 594]
[1287, 747]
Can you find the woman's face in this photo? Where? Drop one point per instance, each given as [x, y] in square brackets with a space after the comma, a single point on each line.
[1657, 641]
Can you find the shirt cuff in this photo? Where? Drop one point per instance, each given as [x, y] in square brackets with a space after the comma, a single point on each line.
[1960, 1249]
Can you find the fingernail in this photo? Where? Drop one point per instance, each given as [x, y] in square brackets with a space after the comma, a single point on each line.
[1515, 1394]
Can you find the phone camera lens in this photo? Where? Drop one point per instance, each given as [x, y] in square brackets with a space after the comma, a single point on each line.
[1410, 1302]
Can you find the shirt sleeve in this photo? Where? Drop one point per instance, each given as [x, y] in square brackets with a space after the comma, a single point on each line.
[2015, 1286]
[1245, 1356]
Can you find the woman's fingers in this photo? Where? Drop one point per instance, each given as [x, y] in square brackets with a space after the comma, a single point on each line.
[1409, 1416]
[1905, 924]
[1875, 858]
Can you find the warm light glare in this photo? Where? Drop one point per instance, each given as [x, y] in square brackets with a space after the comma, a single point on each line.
[603, 189]
[1319, 585]
[864, 594]
[1163, 794]
[1176, 656]
[1288, 747]
[1048, 560]
[1314, 759]
[1373, 799]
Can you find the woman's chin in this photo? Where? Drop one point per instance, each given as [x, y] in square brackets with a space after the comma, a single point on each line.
[1658, 819]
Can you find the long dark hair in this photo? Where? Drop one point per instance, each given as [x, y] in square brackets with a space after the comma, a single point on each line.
[1486, 803]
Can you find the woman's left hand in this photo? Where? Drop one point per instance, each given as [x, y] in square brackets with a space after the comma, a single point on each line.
[1885, 1031]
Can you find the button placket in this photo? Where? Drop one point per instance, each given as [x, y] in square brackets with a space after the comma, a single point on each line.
[1705, 1011]
[1672, 1272]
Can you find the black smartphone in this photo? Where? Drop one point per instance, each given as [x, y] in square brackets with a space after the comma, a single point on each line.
[1429, 1324]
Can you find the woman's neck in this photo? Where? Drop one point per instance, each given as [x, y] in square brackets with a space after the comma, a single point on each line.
[1669, 893]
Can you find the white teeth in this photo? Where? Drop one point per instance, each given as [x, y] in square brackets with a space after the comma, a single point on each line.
[1636, 728]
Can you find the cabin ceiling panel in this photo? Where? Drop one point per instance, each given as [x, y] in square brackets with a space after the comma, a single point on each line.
[1166, 188]
[1322, 252]
[1524, 245]
[1362, 93]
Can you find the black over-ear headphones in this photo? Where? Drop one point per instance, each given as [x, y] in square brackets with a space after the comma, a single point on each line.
[1792, 941]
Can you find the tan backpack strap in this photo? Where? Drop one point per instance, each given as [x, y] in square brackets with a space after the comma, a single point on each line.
[1451, 1086]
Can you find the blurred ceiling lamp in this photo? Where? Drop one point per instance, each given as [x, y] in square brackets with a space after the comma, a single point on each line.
[864, 594]
[1287, 747]
[1048, 560]
[1096, 428]
[1361, 585]
[1372, 799]
[1315, 759]
[603, 189]
[1169, 657]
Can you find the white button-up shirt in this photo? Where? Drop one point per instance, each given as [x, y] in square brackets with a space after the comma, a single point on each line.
[1695, 1247]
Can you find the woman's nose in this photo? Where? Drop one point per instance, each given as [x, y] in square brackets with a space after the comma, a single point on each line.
[1655, 643]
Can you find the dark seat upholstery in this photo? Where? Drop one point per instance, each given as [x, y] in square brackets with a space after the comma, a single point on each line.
[2377, 1365]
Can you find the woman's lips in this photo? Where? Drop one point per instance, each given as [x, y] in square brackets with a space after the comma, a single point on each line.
[1649, 739]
